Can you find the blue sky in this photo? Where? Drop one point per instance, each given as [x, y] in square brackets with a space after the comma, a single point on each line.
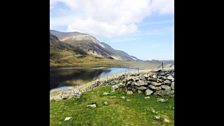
[144, 29]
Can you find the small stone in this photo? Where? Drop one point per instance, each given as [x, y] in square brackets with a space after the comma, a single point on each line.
[129, 92]
[122, 97]
[105, 103]
[160, 93]
[114, 87]
[139, 91]
[147, 97]
[105, 93]
[67, 118]
[167, 82]
[154, 76]
[128, 100]
[161, 100]
[92, 106]
[166, 120]
[157, 117]
[148, 92]
[170, 78]
[166, 87]
[141, 88]
[153, 110]
[140, 83]
[172, 85]
[155, 83]
[154, 87]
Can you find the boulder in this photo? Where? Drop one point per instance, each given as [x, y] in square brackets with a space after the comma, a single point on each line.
[148, 92]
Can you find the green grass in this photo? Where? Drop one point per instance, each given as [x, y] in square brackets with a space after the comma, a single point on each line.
[119, 112]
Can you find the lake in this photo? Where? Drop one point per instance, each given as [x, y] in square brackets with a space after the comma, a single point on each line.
[67, 77]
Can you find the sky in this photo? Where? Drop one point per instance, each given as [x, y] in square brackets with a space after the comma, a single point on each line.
[142, 28]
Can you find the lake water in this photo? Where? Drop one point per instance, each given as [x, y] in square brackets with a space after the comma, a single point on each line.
[67, 77]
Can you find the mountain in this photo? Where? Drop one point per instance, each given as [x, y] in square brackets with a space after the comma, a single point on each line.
[86, 44]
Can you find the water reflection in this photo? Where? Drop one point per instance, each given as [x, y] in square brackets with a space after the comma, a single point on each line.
[71, 77]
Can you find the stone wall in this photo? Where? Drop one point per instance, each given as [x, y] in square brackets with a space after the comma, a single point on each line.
[150, 83]
[157, 83]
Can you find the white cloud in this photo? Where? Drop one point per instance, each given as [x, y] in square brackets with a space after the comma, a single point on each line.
[108, 18]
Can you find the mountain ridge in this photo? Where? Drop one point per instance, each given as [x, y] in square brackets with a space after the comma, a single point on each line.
[90, 45]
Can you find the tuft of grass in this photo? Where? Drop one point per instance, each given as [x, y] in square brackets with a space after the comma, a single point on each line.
[136, 111]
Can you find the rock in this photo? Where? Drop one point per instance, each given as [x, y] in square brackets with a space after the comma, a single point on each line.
[129, 82]
[91, 106]
[121, 85]
[147, 97]
[172, 85]
[141, 88]
[114, 87]
[170, 78]
[148, 92]
[160, 93]
[166, 87]
[105, 93]
[154, 88]
[122, 97]
[167, 82]
[166, 120]
[105, 103]
[153, 110]
[157, 117]
[152, 79]
[128, 100]
[140, 83]
[155, 83]
[139, 91]
[67, 118]
[161, 100]
[154, 76]
[129, 92]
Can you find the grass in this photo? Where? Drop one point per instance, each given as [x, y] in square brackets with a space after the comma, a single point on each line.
[120, 112]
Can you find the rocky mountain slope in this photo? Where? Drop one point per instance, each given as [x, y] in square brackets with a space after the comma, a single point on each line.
[90, 45]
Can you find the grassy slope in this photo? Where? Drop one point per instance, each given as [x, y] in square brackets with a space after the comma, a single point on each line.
[65, 58]
[135, 112]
